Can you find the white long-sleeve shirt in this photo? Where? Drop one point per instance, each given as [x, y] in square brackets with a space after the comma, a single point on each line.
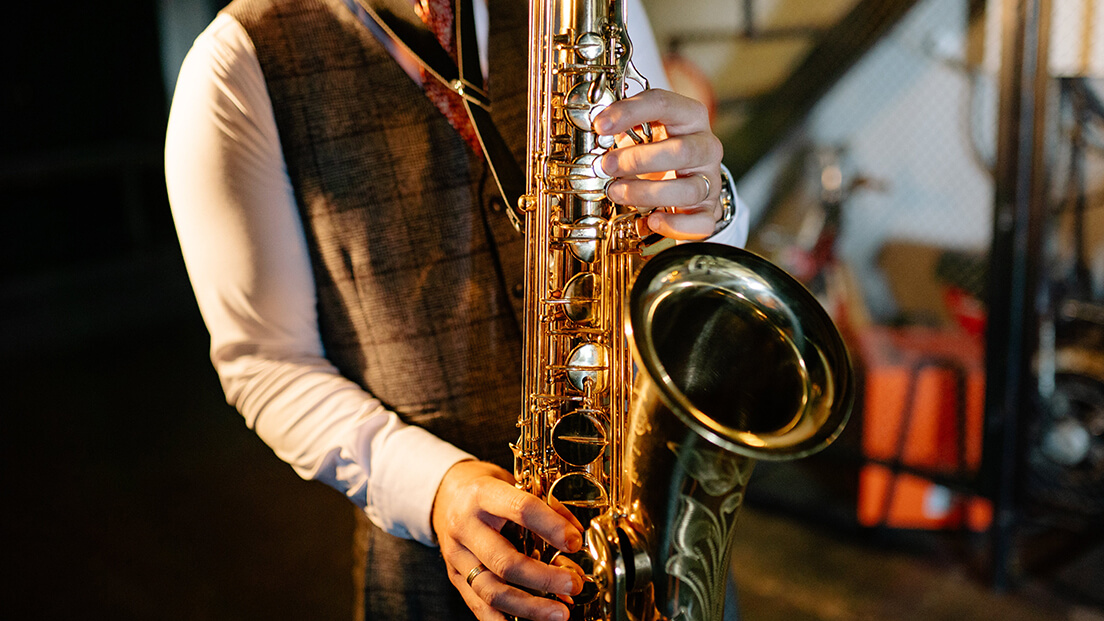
[247, 257]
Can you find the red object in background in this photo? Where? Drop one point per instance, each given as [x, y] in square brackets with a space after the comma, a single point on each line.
[967, 310]
[923, 411]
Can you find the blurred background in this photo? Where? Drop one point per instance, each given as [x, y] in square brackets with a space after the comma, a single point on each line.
[932, 169]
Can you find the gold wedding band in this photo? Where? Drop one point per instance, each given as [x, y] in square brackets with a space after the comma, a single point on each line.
[478, 569]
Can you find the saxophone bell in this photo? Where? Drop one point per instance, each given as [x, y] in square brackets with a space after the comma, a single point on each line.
[740, 351]
[737, 362]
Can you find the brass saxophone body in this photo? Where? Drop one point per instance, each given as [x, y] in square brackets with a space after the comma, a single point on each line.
[734, 360]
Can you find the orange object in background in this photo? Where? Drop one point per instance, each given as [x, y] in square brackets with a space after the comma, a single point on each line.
[686, 78]
[923, 411]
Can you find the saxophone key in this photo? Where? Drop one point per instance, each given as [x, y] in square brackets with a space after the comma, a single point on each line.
[579, 438]
[587, 366]
[590, 46]
[583, 495]
[584, 102]
[584, 238]
[581, 299]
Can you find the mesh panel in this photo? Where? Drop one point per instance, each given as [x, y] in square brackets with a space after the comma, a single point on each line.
[892, 169]
[909, 133]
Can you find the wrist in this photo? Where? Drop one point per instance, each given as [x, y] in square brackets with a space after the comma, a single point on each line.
[406, 475]
[727, 200]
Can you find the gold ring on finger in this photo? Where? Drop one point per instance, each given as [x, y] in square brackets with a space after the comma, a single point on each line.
[478, 569]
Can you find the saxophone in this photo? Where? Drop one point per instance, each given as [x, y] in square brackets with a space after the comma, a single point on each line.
[735, 361]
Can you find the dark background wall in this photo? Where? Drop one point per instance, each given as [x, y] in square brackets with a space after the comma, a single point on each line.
[84, 110]
[131, 490]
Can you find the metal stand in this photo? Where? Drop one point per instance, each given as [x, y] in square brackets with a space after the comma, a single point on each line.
[1014, 264]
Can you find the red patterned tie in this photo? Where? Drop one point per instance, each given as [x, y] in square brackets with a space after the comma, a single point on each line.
[439, 16]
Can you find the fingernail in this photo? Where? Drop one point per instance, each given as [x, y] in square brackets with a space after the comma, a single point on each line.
[655, 221]
[557, 615]
[608, 165]
[602, 125]
[574, 542]
[614, 192]
[599, 169]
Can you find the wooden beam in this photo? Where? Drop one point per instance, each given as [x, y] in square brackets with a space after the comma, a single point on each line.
[771, 116]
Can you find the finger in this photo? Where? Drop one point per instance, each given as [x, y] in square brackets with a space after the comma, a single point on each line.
[513, 601]
[679, 114]
[682, 192]
[505, 561]
[562, 560]
[483, 611]
[487, 594]
[680, 153]
[567, 563]
[695, 224]
[531, 513]
[562, 509]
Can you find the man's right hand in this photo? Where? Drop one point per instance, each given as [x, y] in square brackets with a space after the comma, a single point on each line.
[473, 502]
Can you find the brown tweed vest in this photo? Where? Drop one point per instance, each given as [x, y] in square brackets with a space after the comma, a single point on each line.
[418, 273]
[415, 267]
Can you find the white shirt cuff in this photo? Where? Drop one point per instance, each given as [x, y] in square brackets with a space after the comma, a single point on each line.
[406, 472]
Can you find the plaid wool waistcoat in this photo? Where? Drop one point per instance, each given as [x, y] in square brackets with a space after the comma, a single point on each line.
[417, 270]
